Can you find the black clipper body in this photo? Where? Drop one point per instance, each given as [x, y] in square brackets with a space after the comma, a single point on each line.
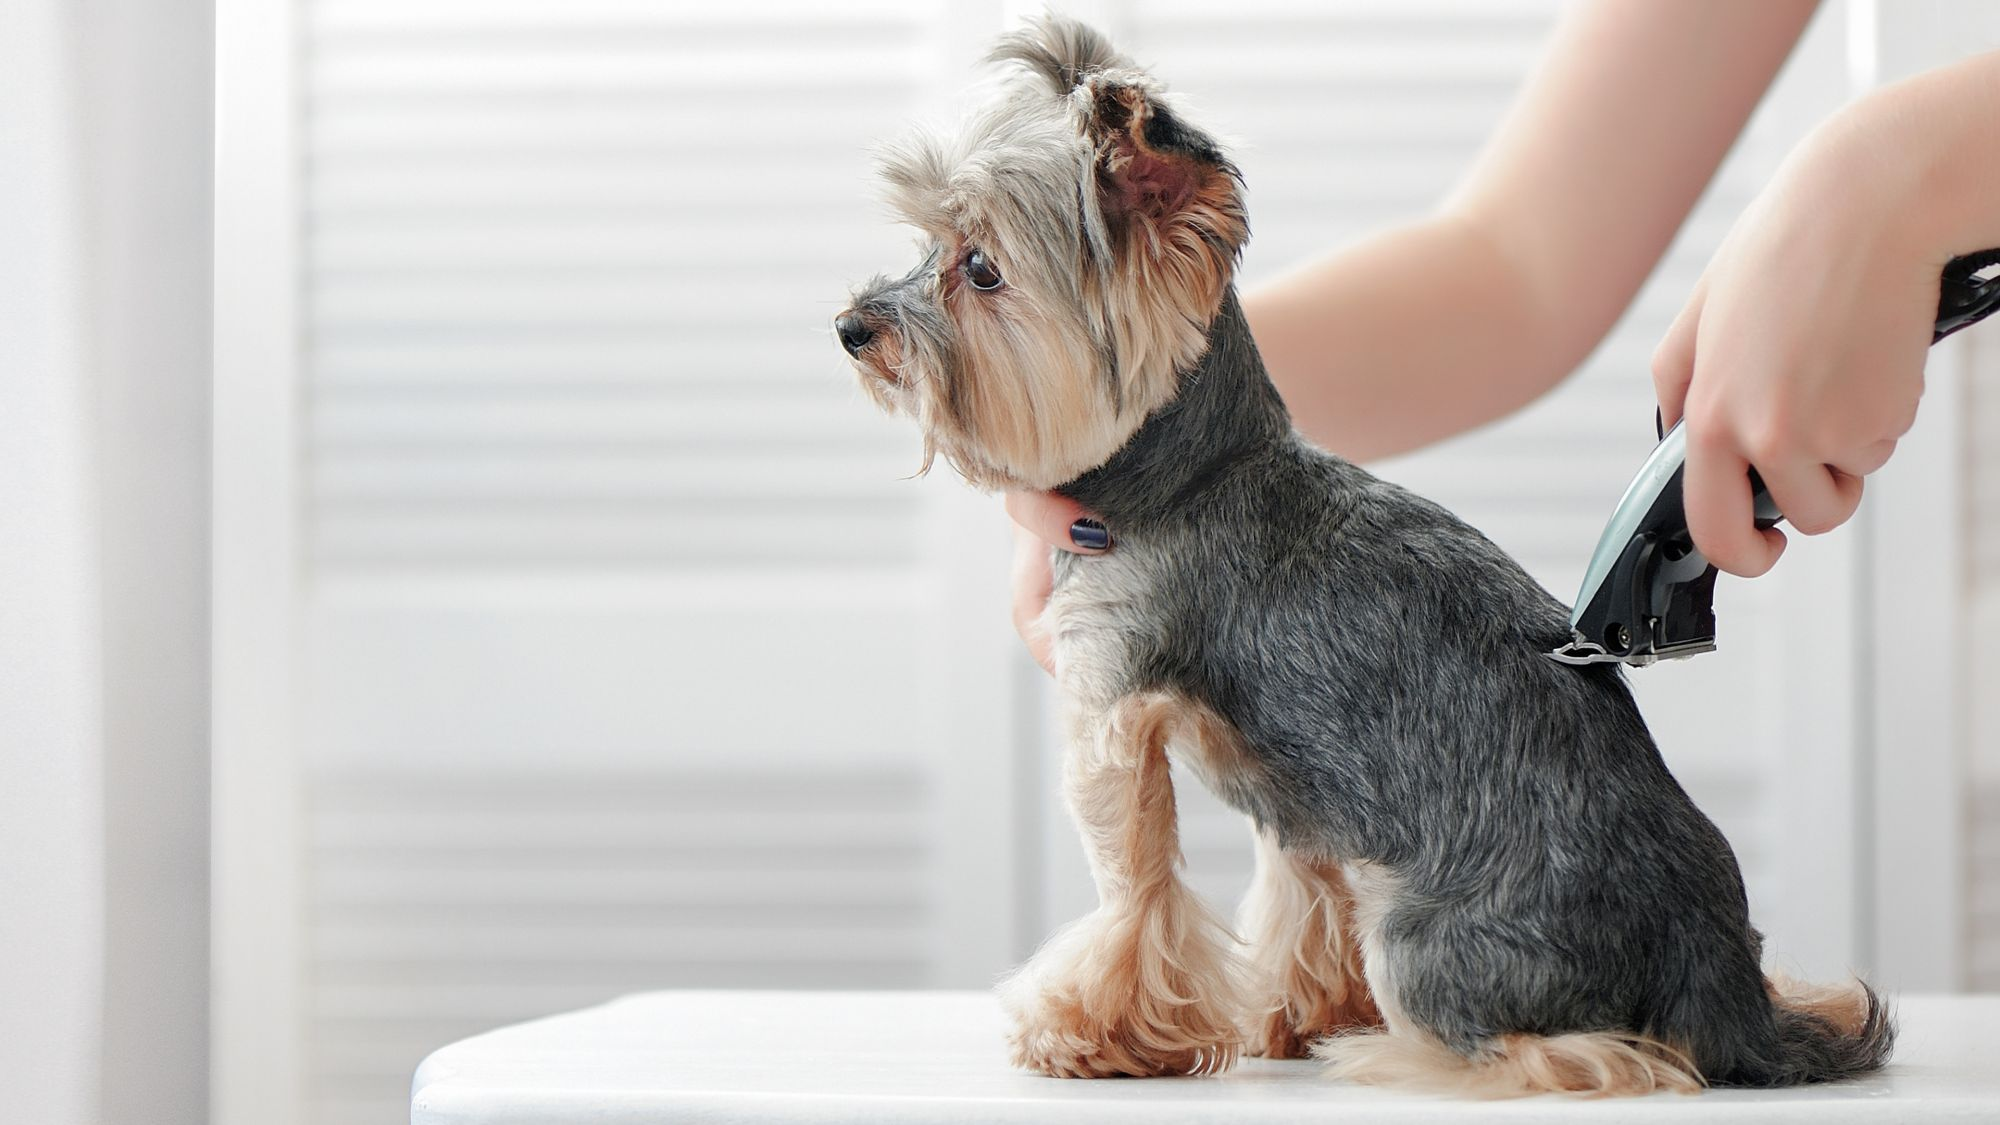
[1648, 594]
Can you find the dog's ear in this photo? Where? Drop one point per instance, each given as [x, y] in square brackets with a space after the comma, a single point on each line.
[1151, 165]
[917, 174]
[1170, 227]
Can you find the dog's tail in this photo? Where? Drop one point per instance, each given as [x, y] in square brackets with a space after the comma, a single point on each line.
[1824, 1033]
[1591, 1064]
[1814, 1034]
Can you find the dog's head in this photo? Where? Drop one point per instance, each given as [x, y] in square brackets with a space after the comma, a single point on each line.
[1080, 236]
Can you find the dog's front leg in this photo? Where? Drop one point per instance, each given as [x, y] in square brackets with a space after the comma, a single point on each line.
[1304, 954]
[1146, 984]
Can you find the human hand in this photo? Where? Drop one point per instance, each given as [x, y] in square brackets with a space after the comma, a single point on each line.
[1043, 520]
[1801, 351]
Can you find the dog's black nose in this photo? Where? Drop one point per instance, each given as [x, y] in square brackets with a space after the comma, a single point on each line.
[854, 333]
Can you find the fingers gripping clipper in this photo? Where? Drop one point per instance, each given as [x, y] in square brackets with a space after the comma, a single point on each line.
[1648, 594]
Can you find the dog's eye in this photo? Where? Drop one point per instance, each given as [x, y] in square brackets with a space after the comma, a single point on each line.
[981, 271]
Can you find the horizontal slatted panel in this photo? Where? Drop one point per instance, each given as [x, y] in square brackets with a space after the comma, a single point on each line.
[569, 271]
[444, 905]
[574, 419]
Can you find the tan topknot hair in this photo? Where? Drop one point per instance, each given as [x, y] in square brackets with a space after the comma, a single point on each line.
[1064, 52]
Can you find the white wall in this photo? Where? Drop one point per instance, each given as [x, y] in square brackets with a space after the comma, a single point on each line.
[51, 926]
[104, 282]
[144, 78]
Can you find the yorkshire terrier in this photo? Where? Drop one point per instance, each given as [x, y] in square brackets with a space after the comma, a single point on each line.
[1475, 872]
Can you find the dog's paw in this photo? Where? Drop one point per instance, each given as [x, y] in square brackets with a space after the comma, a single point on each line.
[1107, 998]
[1274, 1037]
[1059, 1035]
[1289, 1031]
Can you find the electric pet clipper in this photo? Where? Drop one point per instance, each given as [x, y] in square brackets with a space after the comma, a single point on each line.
[1649, 594]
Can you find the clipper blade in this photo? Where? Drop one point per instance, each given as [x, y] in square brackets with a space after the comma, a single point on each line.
[1580, 651]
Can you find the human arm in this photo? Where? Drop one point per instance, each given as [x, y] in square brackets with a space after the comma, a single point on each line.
[1541, 247]
[1801, 351]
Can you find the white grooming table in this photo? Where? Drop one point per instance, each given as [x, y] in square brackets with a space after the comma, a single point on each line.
[892, 1057]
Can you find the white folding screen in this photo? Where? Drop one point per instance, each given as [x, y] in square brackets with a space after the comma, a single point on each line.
[577, 630]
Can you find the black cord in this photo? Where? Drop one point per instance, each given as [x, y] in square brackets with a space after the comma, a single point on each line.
[1963, 299]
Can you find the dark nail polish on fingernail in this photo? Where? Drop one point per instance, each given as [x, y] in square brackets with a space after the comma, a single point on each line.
[1090, 535]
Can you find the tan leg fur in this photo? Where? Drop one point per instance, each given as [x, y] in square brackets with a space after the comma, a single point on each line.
[1146, 984]
[1304, 955]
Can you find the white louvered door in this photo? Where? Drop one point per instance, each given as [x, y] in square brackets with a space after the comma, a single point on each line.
[614, 656]
[1353, 114]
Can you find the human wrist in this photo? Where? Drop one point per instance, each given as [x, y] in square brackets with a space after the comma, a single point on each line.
[1930, 145]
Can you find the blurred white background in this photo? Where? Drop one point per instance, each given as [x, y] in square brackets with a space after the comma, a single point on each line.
[575, 629]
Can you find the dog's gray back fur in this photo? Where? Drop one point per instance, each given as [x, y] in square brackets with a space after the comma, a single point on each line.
[1383, 663]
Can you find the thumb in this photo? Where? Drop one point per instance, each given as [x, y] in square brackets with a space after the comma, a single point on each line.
[1053, 519]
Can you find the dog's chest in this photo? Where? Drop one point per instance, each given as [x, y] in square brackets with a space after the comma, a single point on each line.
[1107, 616]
